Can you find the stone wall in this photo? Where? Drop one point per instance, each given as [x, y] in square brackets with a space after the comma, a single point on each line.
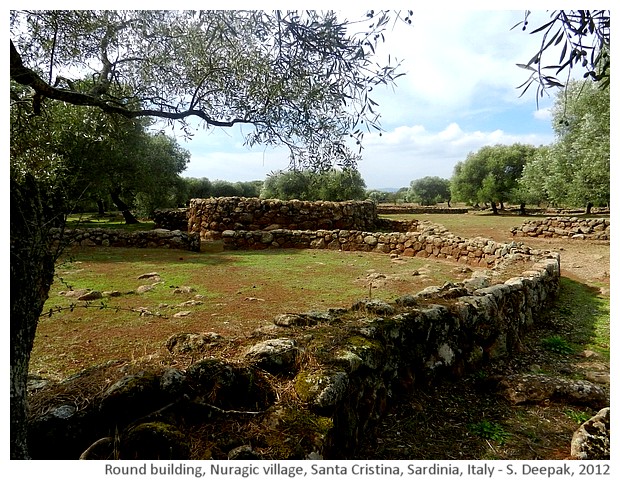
[408, 208]
[108, 237]
[565, 227]
[171, 219]
[425, 240]
[212, 216]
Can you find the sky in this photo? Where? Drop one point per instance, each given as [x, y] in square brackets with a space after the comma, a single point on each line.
[459, 94]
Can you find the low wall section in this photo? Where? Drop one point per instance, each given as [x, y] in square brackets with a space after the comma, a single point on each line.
[565, 227]
[107, 237]
[427, 240]
[409, 208]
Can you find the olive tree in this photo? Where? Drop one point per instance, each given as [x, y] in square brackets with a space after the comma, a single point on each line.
[491, 175]
[303, 80]
[581, 38]
[429, 190]
[575, 170]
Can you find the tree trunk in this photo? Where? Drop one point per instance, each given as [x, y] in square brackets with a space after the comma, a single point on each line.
[494, 208]
[32, 273]
[123, 207]
[101, 210]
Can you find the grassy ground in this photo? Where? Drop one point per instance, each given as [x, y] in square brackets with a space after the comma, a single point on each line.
[238, 292]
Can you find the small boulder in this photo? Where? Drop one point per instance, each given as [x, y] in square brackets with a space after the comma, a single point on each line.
[591, 440]
[93, 295]
[322, 390]
[535, 388]
[244, 452]
[373, 306]
[183, 343]
[154, 441]
[151, 275]
[274, 355]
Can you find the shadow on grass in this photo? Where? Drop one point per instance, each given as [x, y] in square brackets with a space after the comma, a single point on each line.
[211, 253]
[580, 314]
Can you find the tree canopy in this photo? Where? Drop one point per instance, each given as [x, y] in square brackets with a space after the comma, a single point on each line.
[299, 79]
[429, 190]
[582, 35]
[575, 169]
[490, 174]
[329, 185]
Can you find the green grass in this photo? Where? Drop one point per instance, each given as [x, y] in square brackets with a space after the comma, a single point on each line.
[115, 221]
[239, 291]
[557, 344]
[582, 319]
[489, 430]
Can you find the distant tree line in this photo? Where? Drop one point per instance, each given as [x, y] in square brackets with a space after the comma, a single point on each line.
[139, 171]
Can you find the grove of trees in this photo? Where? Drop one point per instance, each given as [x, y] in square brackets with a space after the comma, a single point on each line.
[575, 169]
[330, 185]
[491, 175]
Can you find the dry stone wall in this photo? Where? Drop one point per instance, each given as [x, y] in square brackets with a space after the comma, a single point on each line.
[107, 237]
[566, 227]
[425, 240]
[171, 219]
[356, 359]
[211, 216]
[407, 208]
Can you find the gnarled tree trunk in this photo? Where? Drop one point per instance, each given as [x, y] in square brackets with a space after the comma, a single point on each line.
[123, 207]
[32, 272]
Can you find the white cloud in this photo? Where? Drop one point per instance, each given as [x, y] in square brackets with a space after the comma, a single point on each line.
[543, 114]
[456, 60]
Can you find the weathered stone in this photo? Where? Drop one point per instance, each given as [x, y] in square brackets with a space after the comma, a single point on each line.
[172, 382]
[244, 452]
[144, 288]
[322, 390]
[529, 388]
[592, 440]
[131, 397]
[153, 441]
[373, 306]
[74, 293]
[275, 355]
[93, 295]
[150, 275]
[183, 289]
[191, 342]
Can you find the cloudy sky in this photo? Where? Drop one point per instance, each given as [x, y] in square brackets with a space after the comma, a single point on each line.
[458, 95]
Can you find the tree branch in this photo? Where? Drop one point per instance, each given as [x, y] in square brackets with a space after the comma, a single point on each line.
[28, 77]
